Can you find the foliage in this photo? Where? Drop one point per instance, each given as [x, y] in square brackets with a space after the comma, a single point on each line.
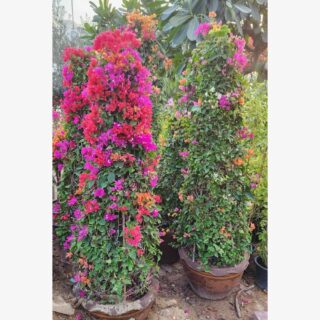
[247, 18]
[107, 161]
[171, 167]
[256, 117]
[60, 40]
[107, 17]
[213, 223]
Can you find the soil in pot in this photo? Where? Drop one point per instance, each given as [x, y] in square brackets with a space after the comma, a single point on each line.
[138, 309]
[216, 284]
[261, 274]
[169, 255]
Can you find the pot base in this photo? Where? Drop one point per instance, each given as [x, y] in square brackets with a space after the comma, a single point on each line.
[210, 287]
[138, 309]
[137, 315]
[216, 284]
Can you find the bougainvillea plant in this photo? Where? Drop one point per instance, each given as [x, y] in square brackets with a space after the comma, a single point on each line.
[155, 59]
[213, 224]
[106, 198]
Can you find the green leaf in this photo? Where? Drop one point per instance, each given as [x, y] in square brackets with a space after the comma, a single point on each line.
[213, 5]
[262, 1]
[229, 4]
[179, 19]
[167, 13]
[167, 27]
[255, 13]
[111, 177]
[192, 26]
[241, 7]
[179, 37]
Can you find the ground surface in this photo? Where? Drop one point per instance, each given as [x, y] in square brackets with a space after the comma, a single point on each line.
[176, 300]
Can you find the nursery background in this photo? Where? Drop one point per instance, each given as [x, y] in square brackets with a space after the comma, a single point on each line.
[198, 131]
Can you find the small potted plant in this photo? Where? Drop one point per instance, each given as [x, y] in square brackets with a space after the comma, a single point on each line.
[213, 228]
[113, 212]
[261, 260]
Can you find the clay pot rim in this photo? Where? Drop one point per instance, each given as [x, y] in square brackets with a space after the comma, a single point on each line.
[129, 306]
[215, 271]
[259, 264]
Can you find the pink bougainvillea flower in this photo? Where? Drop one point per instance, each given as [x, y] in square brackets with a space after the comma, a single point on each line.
[110, 216]
[83, 233]
[154, 181]
[224, 103]
[118, 185]
[140, 252]
[55, 115]
[91, 206]
[60, 167]
[184, 154]
[100, 193]
[72, 201]
[133, 236]
[113, 206]
[155, 213]
[113, 198]
[112, 232]
[78, 214]
[56, 207]
[203, 29]
[170, 102]
[185, 171]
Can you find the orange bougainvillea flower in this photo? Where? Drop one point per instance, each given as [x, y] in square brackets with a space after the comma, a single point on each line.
[180, 195]
[145, 199]
[167, 63]
[241, 101]
[212, 14]
[69, 255]
[156, 90]
[250, 153]
[252, 227]
[190, 198]
[238, 162]
[182, 81]
[224, 232]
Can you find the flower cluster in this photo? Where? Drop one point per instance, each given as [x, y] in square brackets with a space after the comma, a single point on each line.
[203, 28]
[107, 151]
[239, 59]
[147, 24]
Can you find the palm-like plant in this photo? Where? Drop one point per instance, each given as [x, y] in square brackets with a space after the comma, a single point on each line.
[246, 17]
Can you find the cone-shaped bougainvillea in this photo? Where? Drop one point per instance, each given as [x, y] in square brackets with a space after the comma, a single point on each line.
[107, 211]
[213, 223]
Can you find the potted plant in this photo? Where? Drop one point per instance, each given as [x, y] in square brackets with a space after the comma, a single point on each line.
[261, 260]
[113, 212]
[212, 228]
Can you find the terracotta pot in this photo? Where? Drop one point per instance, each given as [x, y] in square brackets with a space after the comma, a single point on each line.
[138, 309]
[169, 254]
[216, 284]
